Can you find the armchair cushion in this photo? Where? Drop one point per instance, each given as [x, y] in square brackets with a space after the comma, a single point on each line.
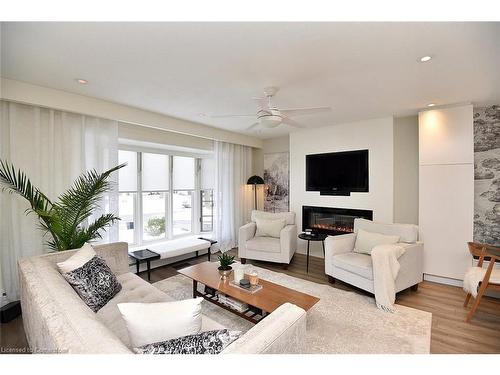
[269, 228]
[359, 264]
[264, 244]
[366, 241]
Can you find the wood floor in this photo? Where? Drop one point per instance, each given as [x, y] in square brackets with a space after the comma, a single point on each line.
[450, 333]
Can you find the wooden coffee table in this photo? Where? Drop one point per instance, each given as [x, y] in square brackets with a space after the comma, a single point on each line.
[262, 302]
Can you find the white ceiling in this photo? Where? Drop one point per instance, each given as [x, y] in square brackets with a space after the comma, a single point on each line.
[193, 70]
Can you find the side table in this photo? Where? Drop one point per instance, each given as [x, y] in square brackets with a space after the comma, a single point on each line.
[312, 237]
[212, 242]
[145, 255]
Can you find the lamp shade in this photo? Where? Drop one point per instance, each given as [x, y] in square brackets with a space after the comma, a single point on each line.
[255, 180]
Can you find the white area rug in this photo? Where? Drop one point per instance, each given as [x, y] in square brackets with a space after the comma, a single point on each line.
[341, 322]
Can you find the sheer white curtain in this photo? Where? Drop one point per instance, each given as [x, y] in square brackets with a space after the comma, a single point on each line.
[53, 148]
[233, 166]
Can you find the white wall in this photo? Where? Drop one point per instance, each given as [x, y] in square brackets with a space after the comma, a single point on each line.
[375, 135]
[406, 170]
[271, 145]
[446, 192]
[279, 144]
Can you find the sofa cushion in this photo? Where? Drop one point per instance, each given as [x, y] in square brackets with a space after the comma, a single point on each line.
[265, 244]
[82, 256]
[94, 282]
[210, 342]
[407, 232]
[269, 228]
[288, 216]
[359, 264]
[366, 241]
[134, 289]
[149, 323]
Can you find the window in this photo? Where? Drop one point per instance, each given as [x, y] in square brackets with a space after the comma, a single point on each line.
[164, 196]
[182, 202]
[127, 182]
[155, 190]
[207, 183]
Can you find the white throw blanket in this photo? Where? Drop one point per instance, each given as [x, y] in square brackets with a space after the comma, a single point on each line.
[385, 270]
[475, 275]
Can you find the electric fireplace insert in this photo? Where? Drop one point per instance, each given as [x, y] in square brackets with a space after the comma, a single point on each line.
[330, 220]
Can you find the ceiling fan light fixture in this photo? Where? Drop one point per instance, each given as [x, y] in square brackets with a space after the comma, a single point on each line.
[270, 121]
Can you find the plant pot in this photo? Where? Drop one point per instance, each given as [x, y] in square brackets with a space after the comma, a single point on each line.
[225, 272]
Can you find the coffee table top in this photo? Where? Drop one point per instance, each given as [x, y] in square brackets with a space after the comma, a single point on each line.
[269, 298]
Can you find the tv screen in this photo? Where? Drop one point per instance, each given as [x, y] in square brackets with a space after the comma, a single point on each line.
[337, 172]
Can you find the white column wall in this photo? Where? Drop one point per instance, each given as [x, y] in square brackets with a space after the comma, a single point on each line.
[446, 189]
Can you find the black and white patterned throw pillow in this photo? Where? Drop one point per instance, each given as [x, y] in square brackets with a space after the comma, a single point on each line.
[210, 342]
[94, 282]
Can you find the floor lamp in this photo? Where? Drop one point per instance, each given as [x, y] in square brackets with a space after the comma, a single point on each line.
[255, 180]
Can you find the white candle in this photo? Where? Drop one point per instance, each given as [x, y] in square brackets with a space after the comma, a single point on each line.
[239, 273]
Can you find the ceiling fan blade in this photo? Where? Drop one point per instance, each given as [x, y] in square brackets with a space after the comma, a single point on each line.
[291, 122]
[253, 126]
[229, 116]
[304, 111]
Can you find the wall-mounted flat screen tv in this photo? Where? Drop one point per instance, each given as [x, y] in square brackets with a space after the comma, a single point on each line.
[337, 173]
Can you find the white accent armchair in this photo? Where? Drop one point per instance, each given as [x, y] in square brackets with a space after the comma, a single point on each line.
[342, 263]
[278, 250]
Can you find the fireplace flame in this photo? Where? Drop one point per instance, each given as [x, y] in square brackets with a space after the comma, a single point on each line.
[333, 227]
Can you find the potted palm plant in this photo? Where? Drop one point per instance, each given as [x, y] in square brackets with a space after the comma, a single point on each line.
[65, 220]
[225, 269]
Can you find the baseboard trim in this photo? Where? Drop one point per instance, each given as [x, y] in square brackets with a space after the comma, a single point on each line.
[443, 280]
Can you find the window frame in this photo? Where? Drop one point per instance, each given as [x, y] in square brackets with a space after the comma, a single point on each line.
[196, 206]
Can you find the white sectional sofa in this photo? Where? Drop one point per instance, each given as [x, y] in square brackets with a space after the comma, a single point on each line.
[56, 320]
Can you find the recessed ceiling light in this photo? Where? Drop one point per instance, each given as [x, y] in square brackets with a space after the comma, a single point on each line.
[82, 81]
[425, 58]
[431, 104]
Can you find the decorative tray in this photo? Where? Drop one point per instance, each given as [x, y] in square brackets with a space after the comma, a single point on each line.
[253, 288]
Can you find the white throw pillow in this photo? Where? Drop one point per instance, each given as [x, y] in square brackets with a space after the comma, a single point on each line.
[149, 323]
[82, 256]
[269, 228]
[366, 241]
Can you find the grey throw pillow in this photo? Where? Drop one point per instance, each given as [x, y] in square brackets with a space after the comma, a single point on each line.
[209, 342]
[94, 282]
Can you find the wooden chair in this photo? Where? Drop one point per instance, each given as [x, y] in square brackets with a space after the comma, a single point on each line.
[481, 251]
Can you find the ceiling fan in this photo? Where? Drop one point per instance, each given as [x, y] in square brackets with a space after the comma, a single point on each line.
[269, 116]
